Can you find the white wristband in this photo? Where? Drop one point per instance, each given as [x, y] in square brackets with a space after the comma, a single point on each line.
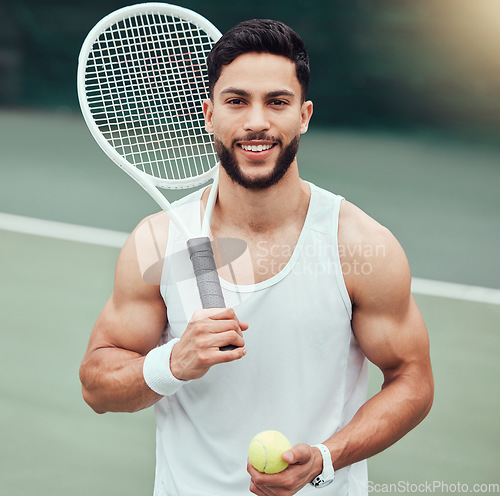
[157, 373]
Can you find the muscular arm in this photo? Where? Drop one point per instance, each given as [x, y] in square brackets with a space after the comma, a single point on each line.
[393, 336]
[129, 326]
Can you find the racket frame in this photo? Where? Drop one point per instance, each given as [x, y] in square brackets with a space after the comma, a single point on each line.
[148, 182]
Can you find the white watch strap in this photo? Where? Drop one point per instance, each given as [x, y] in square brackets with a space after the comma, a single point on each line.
[328, 474]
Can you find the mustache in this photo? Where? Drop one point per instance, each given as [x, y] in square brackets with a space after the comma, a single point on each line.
[257, 137]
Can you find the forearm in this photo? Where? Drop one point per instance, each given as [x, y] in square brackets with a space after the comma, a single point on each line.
[381, 421]
[112, 381]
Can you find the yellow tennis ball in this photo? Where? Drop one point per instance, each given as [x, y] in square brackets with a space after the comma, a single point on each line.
[265, 452]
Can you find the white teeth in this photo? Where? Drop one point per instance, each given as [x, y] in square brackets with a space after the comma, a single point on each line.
[256, 148]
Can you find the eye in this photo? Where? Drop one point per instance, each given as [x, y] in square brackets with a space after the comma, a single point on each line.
[278, 103]
[235, 101]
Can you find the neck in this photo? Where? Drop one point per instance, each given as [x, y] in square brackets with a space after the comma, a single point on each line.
[261, 211]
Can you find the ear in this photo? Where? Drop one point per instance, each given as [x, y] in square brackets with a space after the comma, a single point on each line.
[208, 111]
[306, 113]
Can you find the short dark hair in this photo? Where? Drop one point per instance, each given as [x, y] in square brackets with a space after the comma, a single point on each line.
[259, 36]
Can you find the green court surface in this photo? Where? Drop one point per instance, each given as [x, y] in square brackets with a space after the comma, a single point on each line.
[438, 196]
[53, 444]
[441, 200]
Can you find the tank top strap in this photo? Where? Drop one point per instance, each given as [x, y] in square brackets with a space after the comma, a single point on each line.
[325, 219]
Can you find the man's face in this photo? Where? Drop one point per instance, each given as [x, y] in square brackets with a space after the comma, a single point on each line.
[257, 116]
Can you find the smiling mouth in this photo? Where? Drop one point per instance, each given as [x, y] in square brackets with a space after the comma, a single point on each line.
[256, 148]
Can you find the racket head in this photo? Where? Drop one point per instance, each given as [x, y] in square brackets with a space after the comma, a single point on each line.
[141, 83]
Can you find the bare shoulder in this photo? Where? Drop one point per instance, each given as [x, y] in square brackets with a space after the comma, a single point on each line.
[135, 315]
[356, 228]
[374, 264]
[143, 253]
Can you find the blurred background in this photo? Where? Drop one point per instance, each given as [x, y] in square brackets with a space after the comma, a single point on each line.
[376, 64]
[406, 94]
[406, 125]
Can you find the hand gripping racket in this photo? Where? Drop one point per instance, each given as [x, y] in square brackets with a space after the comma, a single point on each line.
[142, 79]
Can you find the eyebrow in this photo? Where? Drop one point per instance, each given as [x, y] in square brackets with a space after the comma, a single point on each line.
[246, 94]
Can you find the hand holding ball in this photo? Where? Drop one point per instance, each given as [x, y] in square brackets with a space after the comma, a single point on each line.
[265, 450]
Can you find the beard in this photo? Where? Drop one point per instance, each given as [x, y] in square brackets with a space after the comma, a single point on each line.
[229, 163]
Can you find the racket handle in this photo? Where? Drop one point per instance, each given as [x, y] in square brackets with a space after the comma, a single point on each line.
[207, 278]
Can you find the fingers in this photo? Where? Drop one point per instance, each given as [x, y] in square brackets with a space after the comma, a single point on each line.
[292, 479]
[299, 454]
[204, 313]
[213, 313]
[218, 321]
[212, 335]
[261, 491]
[230, 315]
[288, 456]
[256, 486]
[199, 348]
[230, 355]
[216, 333]
[218, 314]
[223, 338]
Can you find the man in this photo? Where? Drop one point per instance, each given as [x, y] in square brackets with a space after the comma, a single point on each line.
[321, 289]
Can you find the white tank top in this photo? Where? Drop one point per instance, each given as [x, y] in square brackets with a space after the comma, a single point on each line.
[304, 373]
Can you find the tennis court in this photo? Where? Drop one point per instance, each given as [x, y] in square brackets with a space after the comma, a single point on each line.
[439, 197]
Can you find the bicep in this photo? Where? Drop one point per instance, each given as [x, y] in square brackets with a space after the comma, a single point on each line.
[134, 317]
[393, 341]
[134, 325]
[386, 320]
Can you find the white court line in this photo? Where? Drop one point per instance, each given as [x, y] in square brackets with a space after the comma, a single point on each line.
[455, 291]
[115, 239]
[61, 230]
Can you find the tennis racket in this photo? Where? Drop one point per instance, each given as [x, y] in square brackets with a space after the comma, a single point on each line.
[142, 79]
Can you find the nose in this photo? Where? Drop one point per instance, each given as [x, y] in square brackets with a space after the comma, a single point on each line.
[257, 119]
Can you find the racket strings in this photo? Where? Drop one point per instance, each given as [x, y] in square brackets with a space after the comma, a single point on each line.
[146, 81]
